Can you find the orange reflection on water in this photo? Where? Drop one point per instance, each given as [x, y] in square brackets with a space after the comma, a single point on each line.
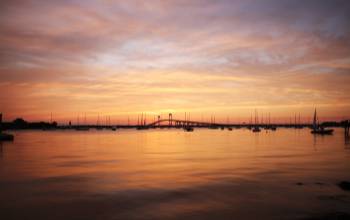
[223, 172]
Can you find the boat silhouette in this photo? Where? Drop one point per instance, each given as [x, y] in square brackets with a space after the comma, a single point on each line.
[4, 136]
[188, 129]
[256, 129]
[318, 129]
[256, 126]
[82, 128]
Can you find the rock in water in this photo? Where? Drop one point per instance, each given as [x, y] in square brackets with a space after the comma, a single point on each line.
[344, 185]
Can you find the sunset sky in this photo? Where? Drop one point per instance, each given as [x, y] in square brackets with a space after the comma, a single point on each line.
[222, 57]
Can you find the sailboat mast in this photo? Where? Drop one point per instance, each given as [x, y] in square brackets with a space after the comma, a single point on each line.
[315, 120]
[255, 120]
[251, 118]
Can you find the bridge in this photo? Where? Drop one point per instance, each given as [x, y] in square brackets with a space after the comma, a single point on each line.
[170, 122]
[180, 123]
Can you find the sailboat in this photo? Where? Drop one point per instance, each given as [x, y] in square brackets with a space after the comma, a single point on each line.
[4, 136]
[256, 126]
[188, 127]
[317, 129]
[272, 127]
[82, 127]
[98, 126]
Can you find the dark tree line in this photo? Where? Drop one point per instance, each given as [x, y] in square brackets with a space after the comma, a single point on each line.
[20, 123]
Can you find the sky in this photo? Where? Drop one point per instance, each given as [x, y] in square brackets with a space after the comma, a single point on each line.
[224, 58]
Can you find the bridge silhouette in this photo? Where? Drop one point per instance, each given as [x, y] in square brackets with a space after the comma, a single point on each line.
[170, 122]
[180, 123]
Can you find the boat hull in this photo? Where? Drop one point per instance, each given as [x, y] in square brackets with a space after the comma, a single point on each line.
[323, 132]
[6, 137]
[188, 129]
[256, 129]
[82, 129]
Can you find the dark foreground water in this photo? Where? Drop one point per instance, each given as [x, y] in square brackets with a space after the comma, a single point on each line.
[170, 174]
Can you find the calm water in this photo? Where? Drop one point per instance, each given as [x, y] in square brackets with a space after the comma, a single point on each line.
[171, 174]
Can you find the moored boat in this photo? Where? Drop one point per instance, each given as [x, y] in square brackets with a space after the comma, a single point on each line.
[256, 129]
[317, 129]
[188, 129]
[322, 131]
[82, 128]
[6, 137]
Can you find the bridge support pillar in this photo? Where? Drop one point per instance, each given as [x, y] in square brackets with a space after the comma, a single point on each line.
[170, 119]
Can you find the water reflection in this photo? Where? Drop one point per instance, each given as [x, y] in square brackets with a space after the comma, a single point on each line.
[347, 141]
[1, 150]
[315, 142]
[170, 174]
